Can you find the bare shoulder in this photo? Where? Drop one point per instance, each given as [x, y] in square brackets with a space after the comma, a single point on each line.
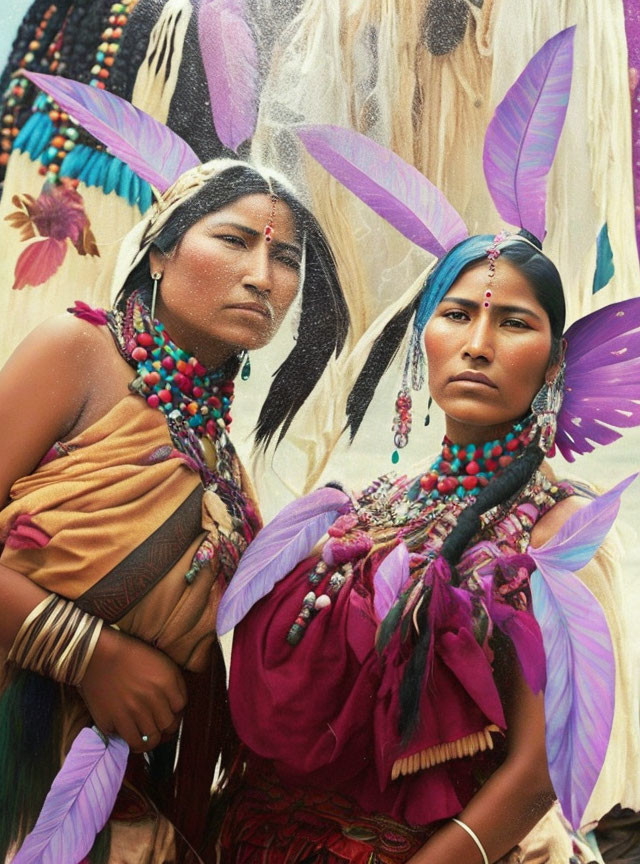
[63, 336]
[63, 353]
[44, 388]
[549, 525]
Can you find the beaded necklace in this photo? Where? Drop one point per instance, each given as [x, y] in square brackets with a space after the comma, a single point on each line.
[421, 513]
[460, 470]
[18, 84]
[196, 404]
[196, 401]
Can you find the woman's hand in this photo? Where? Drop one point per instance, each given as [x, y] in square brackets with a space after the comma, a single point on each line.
[133, 690]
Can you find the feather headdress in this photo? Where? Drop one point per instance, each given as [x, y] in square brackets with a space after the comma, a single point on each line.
[603, 349]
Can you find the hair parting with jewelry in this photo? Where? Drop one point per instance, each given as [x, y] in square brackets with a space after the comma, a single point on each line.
[324, 317]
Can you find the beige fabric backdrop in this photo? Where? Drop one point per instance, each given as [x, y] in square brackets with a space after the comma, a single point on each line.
[362, 64]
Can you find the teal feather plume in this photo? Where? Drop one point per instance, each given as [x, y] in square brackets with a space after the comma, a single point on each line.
[604, 260]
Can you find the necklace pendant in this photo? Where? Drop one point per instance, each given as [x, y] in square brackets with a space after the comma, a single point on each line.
[209, 453]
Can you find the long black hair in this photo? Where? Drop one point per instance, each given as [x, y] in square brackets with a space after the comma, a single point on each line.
[543, 277]
[324, 319]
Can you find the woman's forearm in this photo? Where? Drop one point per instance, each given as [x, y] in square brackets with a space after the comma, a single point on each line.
[501, 814]
[130, 688]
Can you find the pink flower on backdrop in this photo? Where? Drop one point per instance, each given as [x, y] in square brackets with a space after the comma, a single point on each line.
[55, 216]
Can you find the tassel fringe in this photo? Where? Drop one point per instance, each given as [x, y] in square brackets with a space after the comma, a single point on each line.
[439, 753]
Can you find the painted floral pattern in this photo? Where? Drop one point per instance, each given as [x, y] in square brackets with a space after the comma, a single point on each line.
[55, 216]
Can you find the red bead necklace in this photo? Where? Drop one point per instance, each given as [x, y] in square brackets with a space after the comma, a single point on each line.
[461, 470]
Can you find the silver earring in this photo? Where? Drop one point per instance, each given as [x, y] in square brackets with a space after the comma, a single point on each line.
[546, 406]
[296, 315]
[156, 276]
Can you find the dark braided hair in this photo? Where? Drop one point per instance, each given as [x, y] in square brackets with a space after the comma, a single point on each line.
[190, 97]
[93, 19]
[190, 110]
[501, 489]
[73, 36]
[324, 319]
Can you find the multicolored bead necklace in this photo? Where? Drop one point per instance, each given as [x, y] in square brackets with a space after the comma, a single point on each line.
[197, 401]
[460, 470]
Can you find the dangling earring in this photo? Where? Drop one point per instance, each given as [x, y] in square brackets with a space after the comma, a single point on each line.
[546, 406]
[296, 315]
[414, 369]
[156, 276]
[246, 367]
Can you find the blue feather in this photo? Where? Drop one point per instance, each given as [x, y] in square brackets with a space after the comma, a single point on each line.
[112, 174]
[604, 260]
[34, 135]
[145, 198]
[74, 164]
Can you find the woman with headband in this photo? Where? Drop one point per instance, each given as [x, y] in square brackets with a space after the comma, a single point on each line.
[126, 504]
[423, 684]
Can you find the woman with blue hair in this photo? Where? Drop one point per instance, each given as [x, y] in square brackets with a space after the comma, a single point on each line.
[389, 688]
[424, 684]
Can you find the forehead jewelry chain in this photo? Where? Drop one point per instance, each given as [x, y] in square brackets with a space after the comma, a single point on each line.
[268, 228]
[493, 253]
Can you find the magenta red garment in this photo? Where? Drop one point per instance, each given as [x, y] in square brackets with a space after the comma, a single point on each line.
[320, 710]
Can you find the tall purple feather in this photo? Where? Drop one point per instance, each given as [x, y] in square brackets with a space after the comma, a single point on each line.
[79, 802]
[522, 137]
[580, 690]
[230, 59]
[149, 148]
[392, 188]
[601, 382]
[288, 539]
[390, 577]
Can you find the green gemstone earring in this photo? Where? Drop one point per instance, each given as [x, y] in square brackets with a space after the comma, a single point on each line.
[246, 368]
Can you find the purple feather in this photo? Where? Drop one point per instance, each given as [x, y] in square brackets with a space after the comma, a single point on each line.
[392, 188]
[149, 148]
[390, 577]
[579, 696]
[288, 539]
[603, 357]
[612, 321]
[522, 137]
[575, 544]
[79, 802]
[230, 59]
